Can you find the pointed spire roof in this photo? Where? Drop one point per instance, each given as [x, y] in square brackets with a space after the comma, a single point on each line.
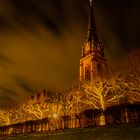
[92, 32]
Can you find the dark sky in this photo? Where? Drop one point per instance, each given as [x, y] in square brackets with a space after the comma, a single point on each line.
[40, 41]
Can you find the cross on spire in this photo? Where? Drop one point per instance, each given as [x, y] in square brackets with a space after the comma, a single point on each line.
[90, 2]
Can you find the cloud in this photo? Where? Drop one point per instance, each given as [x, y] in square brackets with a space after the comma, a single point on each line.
[41, 52]
[41, 42]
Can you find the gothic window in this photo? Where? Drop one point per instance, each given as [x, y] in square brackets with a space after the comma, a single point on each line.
[100, 70]
[87, 73]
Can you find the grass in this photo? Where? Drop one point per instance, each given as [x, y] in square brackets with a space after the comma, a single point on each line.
[98, 133]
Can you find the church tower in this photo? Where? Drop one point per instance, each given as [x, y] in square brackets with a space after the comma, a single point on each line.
[93, 64]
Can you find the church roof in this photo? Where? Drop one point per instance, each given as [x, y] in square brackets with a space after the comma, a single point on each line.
[92, 32]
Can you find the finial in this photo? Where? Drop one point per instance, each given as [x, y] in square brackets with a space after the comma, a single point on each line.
[90, 2]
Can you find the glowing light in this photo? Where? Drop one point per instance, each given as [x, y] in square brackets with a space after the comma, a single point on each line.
[54, 115]
[90, 2]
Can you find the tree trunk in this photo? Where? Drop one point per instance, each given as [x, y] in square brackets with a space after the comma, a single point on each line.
[126, 115]
[78, 120]
[102, 119]
[65, 124]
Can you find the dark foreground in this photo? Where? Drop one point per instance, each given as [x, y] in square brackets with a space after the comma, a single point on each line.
[98, 133]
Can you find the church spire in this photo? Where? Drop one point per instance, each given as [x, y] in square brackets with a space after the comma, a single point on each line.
[93, 64]
[92, 33]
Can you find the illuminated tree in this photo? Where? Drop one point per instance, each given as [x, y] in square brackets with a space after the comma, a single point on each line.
[5, 117]
[128, 71]
[19, 115]
[127, 75]
[37, 106]
[42, 106]
[66, 102]
[100, 95]
[67, 105]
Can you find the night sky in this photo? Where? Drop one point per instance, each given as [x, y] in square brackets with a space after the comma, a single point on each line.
[41, 40]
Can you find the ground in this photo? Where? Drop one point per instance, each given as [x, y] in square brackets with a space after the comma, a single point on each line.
[98, 133]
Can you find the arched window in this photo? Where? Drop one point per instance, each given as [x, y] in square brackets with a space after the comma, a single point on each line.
[87, 73]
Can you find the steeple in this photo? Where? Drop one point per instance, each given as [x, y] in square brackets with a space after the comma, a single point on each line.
[93, 64]
[92, 32]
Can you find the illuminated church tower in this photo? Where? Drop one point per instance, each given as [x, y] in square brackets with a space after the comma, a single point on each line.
[93, 64]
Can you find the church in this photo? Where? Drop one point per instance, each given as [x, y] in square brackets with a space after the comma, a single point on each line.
[93, 64]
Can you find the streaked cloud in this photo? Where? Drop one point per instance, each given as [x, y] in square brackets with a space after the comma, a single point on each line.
[40, 41]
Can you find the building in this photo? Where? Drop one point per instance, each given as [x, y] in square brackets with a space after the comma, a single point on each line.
[93, 64]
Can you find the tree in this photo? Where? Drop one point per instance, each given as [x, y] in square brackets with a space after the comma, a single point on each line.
[5, 117]
[43, 105]
[66, 101]
[100, 95]
[127, 75]
[37, 106]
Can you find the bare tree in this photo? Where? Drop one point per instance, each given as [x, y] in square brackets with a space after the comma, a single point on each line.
[100, 95]
[37, 106]
[127, 75]
[5, 117]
